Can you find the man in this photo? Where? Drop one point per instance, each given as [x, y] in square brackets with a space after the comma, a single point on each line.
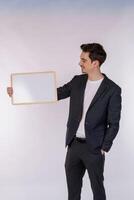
[93, 122]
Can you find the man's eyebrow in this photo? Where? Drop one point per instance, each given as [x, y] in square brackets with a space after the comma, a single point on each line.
[83, 59]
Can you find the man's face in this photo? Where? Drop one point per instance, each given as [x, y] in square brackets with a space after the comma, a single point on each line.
[85, 62]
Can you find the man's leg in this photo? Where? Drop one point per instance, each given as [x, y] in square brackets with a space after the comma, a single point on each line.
[75, 171]
[95, 167]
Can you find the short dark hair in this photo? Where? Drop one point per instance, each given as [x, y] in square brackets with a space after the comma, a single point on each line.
[96, 52]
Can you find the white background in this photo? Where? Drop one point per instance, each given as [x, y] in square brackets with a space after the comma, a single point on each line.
[32, 137]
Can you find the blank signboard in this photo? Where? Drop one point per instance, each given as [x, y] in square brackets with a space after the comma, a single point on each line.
[34, 88]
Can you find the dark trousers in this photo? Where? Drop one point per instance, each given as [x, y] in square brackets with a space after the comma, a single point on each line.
[78, 160]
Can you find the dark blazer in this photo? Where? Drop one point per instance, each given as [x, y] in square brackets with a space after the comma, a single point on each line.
[102, 117]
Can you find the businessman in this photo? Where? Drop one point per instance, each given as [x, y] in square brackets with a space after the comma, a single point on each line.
[93, 122]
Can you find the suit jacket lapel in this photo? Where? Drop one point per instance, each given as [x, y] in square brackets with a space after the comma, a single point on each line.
[103, 86]
[83, 86]
[81, 89]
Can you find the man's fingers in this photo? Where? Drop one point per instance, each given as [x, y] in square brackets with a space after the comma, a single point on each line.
[10, 91]
[103, 152]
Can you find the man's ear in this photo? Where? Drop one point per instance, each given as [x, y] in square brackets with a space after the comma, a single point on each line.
[95, 63]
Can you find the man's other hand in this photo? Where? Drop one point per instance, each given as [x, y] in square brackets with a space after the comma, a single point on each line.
[10, 91]
[103, 152]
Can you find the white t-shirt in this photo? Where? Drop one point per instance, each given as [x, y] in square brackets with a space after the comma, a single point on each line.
[90, 91]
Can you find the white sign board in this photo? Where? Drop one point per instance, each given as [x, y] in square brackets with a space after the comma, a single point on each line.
[34, 87]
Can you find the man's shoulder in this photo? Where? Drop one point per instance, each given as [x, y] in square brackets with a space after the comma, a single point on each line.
[113, 84]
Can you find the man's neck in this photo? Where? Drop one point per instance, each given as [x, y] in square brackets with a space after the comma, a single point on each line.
[95, 76]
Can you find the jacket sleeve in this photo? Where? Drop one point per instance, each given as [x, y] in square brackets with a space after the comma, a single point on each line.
[113, 118]
[65, 91]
